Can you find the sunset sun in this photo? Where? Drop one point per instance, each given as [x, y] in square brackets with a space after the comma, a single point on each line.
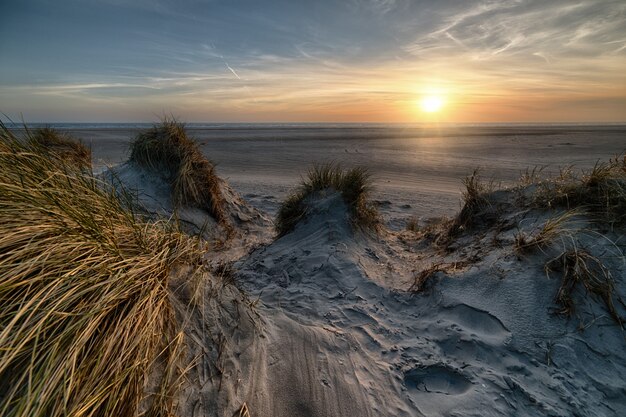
[431, 104]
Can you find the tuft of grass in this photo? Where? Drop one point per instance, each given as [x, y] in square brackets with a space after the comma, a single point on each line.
[550, 230]
[422, 278]
[580, 268]
[353, 184]
[86, 315]
[474, 198]
[474, 201]
[531, 176]
[412, 224]
[60, 146]
[244, 411]
[601, 191]
[167, 150]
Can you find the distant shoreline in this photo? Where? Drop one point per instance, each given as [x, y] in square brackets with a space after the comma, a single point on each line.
[321, 125]
[325, 131]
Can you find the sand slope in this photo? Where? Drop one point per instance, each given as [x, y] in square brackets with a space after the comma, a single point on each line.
[326, 325]
[342, 337]
[153, 195]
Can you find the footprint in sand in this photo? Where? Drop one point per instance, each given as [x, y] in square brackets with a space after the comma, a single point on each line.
[479, 322]
[438, 378]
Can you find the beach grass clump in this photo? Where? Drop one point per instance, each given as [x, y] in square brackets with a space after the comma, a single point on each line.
[353, 184]
[412, 224]
[475, 200]
[474, 197]
[579, 268]
[531, 176]
[60, 146]
[422, 278]
[551, 229]
[85, 311]
[167, 150]
[601, 191]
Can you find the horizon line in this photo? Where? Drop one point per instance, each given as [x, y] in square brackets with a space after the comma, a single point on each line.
[528, 123]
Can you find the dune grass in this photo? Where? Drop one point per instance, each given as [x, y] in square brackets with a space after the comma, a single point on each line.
[601, 191]
[412, 224]
[60, 146]
[85, 315]
[244, 411]
[475, 200]
[551, 229]
[474, 197]
[353, 184]
[599, 195]
[167, 150]
[581, 269]
[422, 278]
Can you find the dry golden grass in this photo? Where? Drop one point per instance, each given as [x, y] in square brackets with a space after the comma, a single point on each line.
[61, 146]
[85, 314]
[167, 150]
[550, 230]
[244, 411]
[412, 224]
[353, 184]
[601, 191]
[531, 176]
[422, 278]
[475, 200]
[580, 268]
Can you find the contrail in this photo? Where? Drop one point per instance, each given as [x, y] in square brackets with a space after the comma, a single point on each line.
[232, 70]
[213, 48]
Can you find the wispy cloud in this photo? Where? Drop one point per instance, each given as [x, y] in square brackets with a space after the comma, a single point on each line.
[556, 27]
[367, 60]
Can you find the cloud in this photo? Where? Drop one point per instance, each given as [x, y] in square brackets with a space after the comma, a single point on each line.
[518, 27]
[367, 57]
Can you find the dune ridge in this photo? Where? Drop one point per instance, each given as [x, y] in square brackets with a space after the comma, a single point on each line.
[512, 306]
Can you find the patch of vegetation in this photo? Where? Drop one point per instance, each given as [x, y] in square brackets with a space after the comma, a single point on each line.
[531, 176]
[353, 184]
[475, 202]
[60, 146]
[601, 191]
[412, 224]
[85, 315]
[550, 230]
[581, 269]
[422, 279]
[166, 150]
[244, 411]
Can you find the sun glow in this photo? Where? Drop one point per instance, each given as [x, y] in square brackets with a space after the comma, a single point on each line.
[431, 104]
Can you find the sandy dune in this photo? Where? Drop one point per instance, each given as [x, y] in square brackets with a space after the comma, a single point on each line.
[333, 330]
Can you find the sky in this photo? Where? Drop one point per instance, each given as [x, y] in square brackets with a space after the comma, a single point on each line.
[313, 61]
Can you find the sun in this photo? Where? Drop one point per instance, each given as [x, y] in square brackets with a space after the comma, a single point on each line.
[431, 104]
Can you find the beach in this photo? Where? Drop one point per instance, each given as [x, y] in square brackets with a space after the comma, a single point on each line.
[308, 288]
[363, 208]
[417, 170]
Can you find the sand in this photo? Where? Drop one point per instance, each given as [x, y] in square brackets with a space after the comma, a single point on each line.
[330, 327]
[481, 342]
